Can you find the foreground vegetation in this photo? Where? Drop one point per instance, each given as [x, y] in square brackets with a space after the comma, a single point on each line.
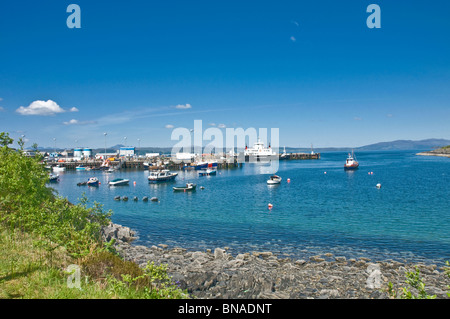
[50, 248]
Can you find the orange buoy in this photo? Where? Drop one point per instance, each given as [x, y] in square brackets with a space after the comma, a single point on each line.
[270, 206]
[288, 180]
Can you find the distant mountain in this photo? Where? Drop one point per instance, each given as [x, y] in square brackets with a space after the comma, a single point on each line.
[431, 143]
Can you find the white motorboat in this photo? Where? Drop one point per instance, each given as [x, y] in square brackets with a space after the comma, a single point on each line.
[162, 175]
[59, 168]
[53, 178]
[119, 182]
[207, 172]
[188, 187]
[274, 179]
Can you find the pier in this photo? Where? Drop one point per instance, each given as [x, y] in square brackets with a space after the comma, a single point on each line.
[162, 162]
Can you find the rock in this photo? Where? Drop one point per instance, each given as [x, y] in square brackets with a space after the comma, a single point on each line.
[219, 253]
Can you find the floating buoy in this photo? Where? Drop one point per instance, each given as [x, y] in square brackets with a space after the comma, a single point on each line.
[378, 185]
[202, 187]
[324, 172]
[288, 180]
[270, 206]
[134, 183]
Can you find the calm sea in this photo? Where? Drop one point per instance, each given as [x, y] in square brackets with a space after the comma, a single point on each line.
[323, 209]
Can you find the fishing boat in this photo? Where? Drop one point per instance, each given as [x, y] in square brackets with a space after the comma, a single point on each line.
[351, 162]
[188, 187]
[274, 179]
[53, 178]
[163, 175]
[119, 182]
[93, 181]
[207, 172]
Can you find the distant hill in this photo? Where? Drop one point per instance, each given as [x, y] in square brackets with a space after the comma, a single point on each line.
[428, 144]
[431, 143]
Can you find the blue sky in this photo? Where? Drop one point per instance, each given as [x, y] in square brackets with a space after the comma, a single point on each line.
[136, 69]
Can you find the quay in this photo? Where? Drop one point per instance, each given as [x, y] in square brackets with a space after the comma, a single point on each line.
[161, 162]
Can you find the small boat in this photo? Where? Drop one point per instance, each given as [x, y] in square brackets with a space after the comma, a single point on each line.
[207, 172]
[117, 198]
[188, 187]
[145, 199]
[53, 178]
[125, 198]
[82, 183]
[59, 168]
[135, 198]
[93, 181]
[119, 182]
[274, 179]
[80, 168]
[163, 175]
[154, 199]
[351, 162]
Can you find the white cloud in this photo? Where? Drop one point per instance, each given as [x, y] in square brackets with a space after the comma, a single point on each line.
[1, 109]
[183, 106]
[1, 99]
[169, 126]
[212, 124]
[293, 39]
[356, 118]
[389, 115]
[221, 126]
[43, 108]
[295, 22]
[76, 122]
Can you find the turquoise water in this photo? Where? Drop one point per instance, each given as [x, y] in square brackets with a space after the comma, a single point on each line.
[337, 212]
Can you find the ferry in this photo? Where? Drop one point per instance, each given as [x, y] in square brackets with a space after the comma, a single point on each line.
[163, 175]
[351, 162]
[259, 153]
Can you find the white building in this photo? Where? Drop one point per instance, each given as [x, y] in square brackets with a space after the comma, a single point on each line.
[126, 151]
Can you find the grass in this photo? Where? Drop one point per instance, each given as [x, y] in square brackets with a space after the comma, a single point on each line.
[28, 271]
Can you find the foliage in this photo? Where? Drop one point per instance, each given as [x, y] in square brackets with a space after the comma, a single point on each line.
[414, 282]
[41, 232]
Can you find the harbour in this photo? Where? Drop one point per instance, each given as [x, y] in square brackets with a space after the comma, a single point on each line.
[318, 207]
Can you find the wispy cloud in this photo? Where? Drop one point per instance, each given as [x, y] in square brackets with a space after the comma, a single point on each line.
[44, 108]
[296, 23]
[293, 39]
[169, 126]
[357, 118]
[183, 106]
[389, 115]
[76, 122]
[221, 126]
[1, 109]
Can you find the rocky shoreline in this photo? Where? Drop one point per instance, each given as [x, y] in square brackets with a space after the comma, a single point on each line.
[443, 152]
[262, 275]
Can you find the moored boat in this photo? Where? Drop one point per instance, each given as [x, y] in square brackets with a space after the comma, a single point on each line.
[119, 182]
[207, 172]
[59, 168]
[80, 168]
[274, 179]
[188, 187]
[163, 175]
[53, 178]
[93, 181]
